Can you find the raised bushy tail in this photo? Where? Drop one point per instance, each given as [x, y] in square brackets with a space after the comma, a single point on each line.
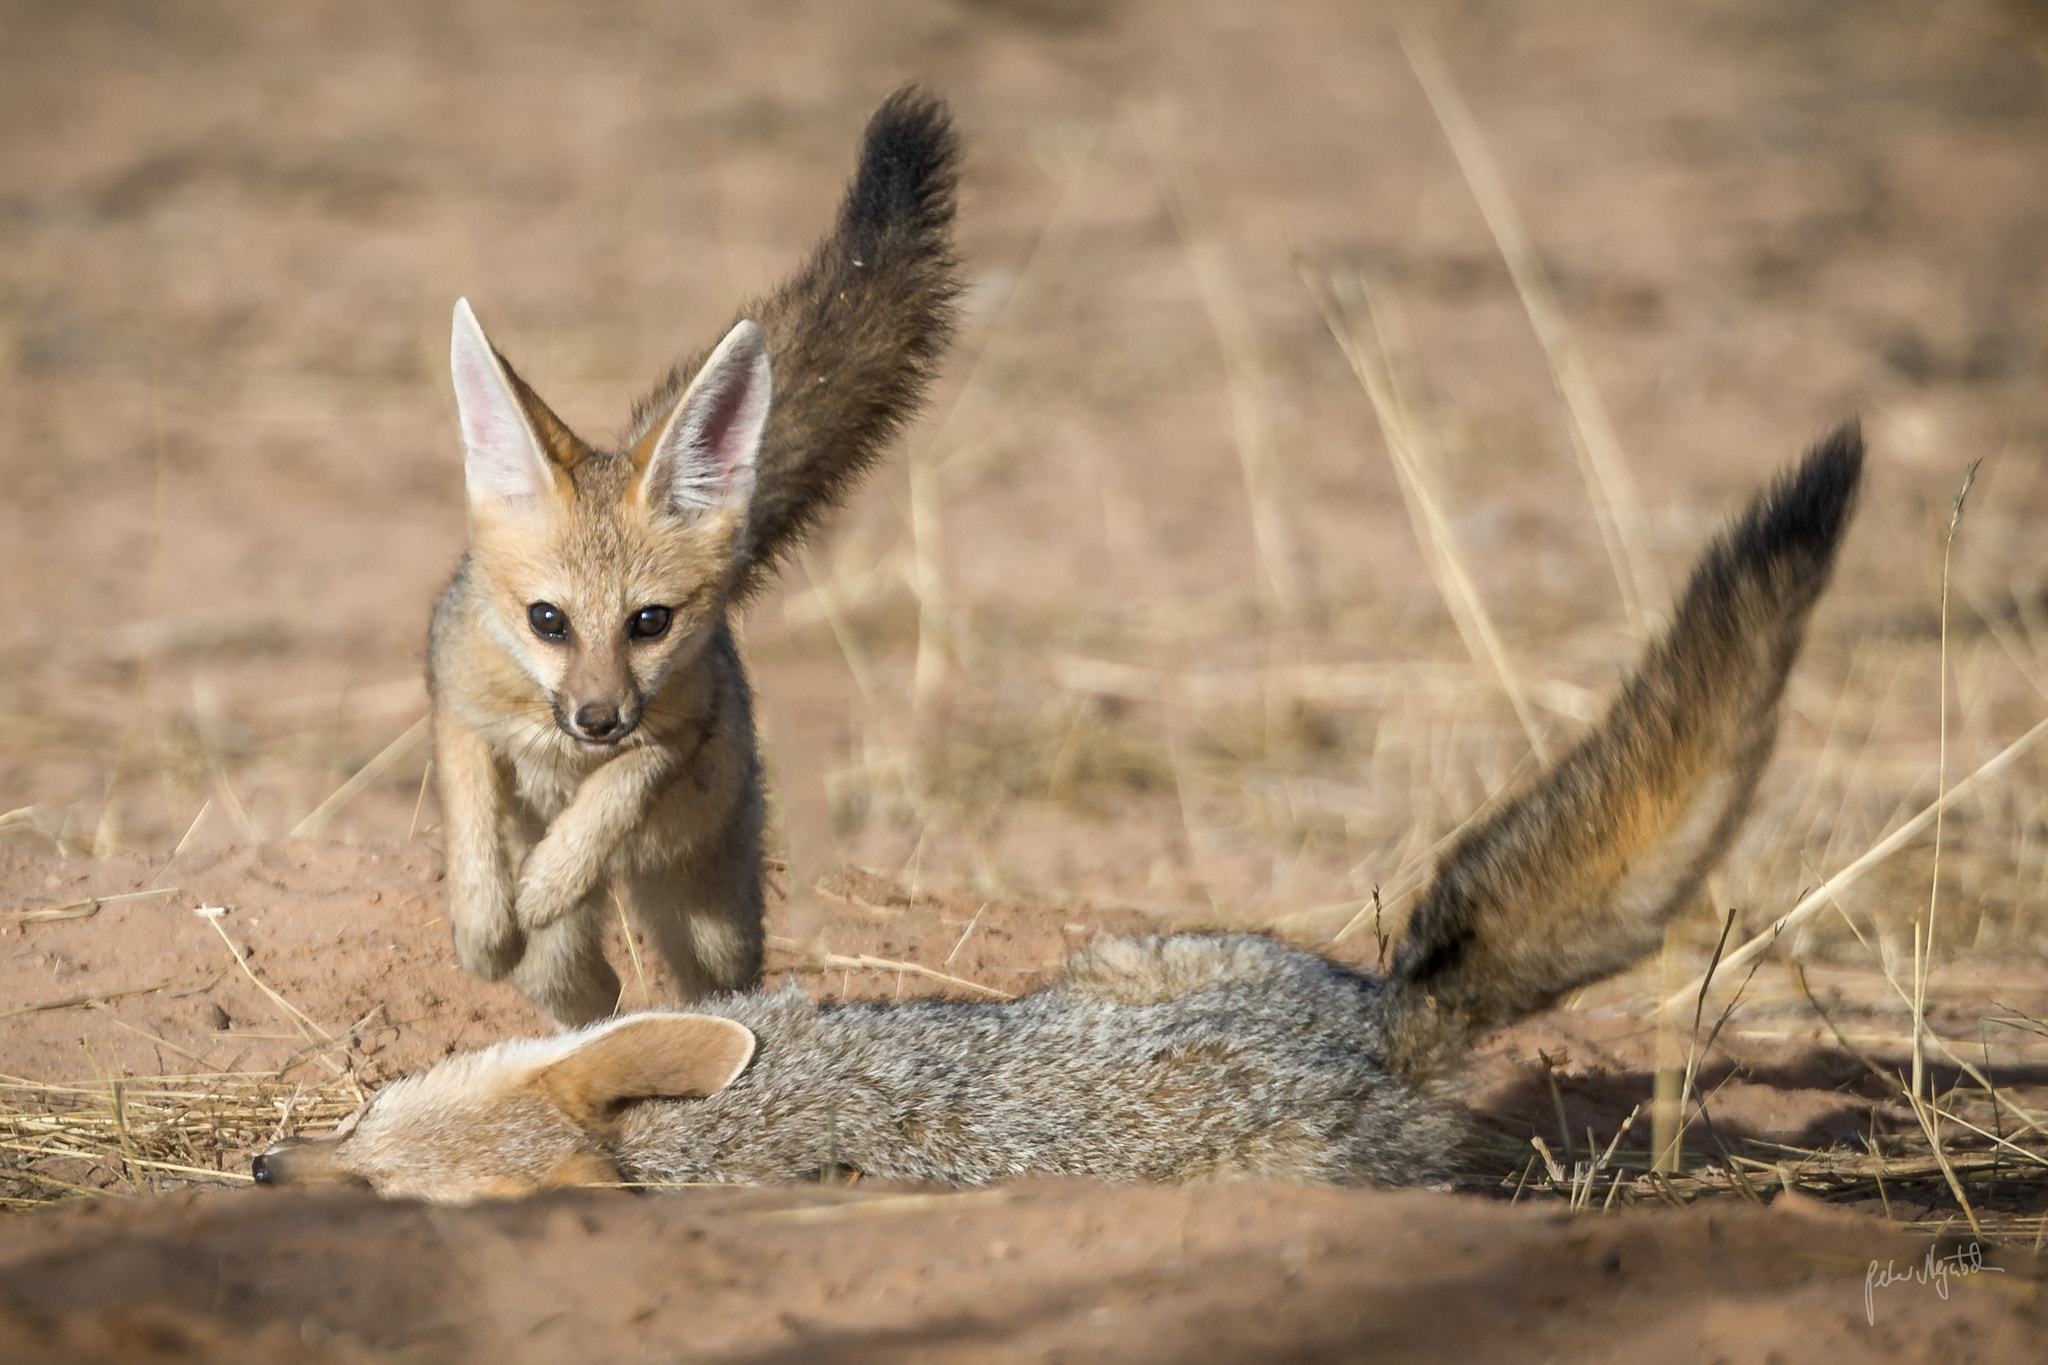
[855, 336]
[1574, 879]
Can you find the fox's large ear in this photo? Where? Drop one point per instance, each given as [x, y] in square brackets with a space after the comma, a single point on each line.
[504, 461]
[704, 456]
[656, 1056]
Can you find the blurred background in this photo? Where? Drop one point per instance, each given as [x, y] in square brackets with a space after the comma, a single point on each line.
[1337, 405]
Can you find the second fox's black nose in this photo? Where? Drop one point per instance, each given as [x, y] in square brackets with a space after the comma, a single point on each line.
[260, 1168]
[597, 720]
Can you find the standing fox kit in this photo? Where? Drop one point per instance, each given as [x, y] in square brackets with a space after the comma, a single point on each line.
[593, 729]
[1186, 1057]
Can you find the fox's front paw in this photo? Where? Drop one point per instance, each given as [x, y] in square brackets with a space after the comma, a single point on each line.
[492, 949]
[542, 899]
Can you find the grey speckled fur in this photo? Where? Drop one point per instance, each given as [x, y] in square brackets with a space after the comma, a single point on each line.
[1165, 1059]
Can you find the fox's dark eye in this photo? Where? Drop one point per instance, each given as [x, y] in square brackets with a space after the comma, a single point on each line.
[650, 623]
[547, 620]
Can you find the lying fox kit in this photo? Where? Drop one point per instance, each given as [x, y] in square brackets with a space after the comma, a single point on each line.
[1182, 1058]
[593, 728]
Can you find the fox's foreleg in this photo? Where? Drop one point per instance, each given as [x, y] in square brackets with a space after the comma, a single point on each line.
[570, 859]
[474, 806]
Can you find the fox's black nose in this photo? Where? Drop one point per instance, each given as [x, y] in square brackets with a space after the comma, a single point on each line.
[597, 720]
[260, 1168]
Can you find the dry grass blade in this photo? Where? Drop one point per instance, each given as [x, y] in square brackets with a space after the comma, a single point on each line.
[312, 1031]
[82, 909]
[1697, 1051]
[839, 962]
[1930, 1123]
[632, 951]
[1404, 438]
[1564, 1127]
[1244, 371]
[935, 628]
[1586, 1175]
[857, 903]
[1616, 507]
[1924, 1109]
[1924, 944]
[1417, 871]
[387, 758]
[192, 830]
[207, 726]
[972, 924]
[1369, 686]
[2001, 1099]
[1821, 896]
[959, 462]
[942, 460]
[419, 803]
[31, 818]
[825, 590]
[825, 594]
[83, 1001]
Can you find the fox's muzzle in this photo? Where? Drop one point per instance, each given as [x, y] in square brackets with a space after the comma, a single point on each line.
[597, 724]
[298, 1162]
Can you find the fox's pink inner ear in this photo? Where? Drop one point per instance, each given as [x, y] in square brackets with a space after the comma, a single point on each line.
[704, 456]
[503, 461]
[654, 1056]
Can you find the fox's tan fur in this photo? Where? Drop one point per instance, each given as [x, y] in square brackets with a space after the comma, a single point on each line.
[1179, 1058]
[596, 762]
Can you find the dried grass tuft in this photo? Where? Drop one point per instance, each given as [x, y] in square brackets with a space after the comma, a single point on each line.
[143, 1135]
[1997, 1186]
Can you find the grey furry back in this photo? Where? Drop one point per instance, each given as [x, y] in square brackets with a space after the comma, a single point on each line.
[855, 336]
[1166, 1059]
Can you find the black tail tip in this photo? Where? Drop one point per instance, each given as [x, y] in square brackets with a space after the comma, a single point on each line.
[1807, 508]
[909, 165]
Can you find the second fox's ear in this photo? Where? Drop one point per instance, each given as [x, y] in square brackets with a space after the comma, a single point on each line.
[503, 459]
[655, 1056]
[704, 455]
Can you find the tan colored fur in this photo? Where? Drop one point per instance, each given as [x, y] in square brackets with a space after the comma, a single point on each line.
[600, 765]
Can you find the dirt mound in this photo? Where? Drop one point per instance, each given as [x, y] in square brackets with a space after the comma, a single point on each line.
[1031, 1273]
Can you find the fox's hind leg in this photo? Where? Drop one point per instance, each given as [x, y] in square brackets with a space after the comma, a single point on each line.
[564, 971]
[708, 934]
[703, 911]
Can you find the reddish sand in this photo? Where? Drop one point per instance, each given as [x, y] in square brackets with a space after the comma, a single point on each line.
[350, 936]
[1034, 1273]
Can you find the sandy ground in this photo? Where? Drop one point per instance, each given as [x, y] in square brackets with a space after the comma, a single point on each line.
[1052, 1272]
[1037, 1272]
[1185, 662]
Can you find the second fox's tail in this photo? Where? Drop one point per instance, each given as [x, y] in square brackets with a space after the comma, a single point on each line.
[1575, 878]
[855, 335]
